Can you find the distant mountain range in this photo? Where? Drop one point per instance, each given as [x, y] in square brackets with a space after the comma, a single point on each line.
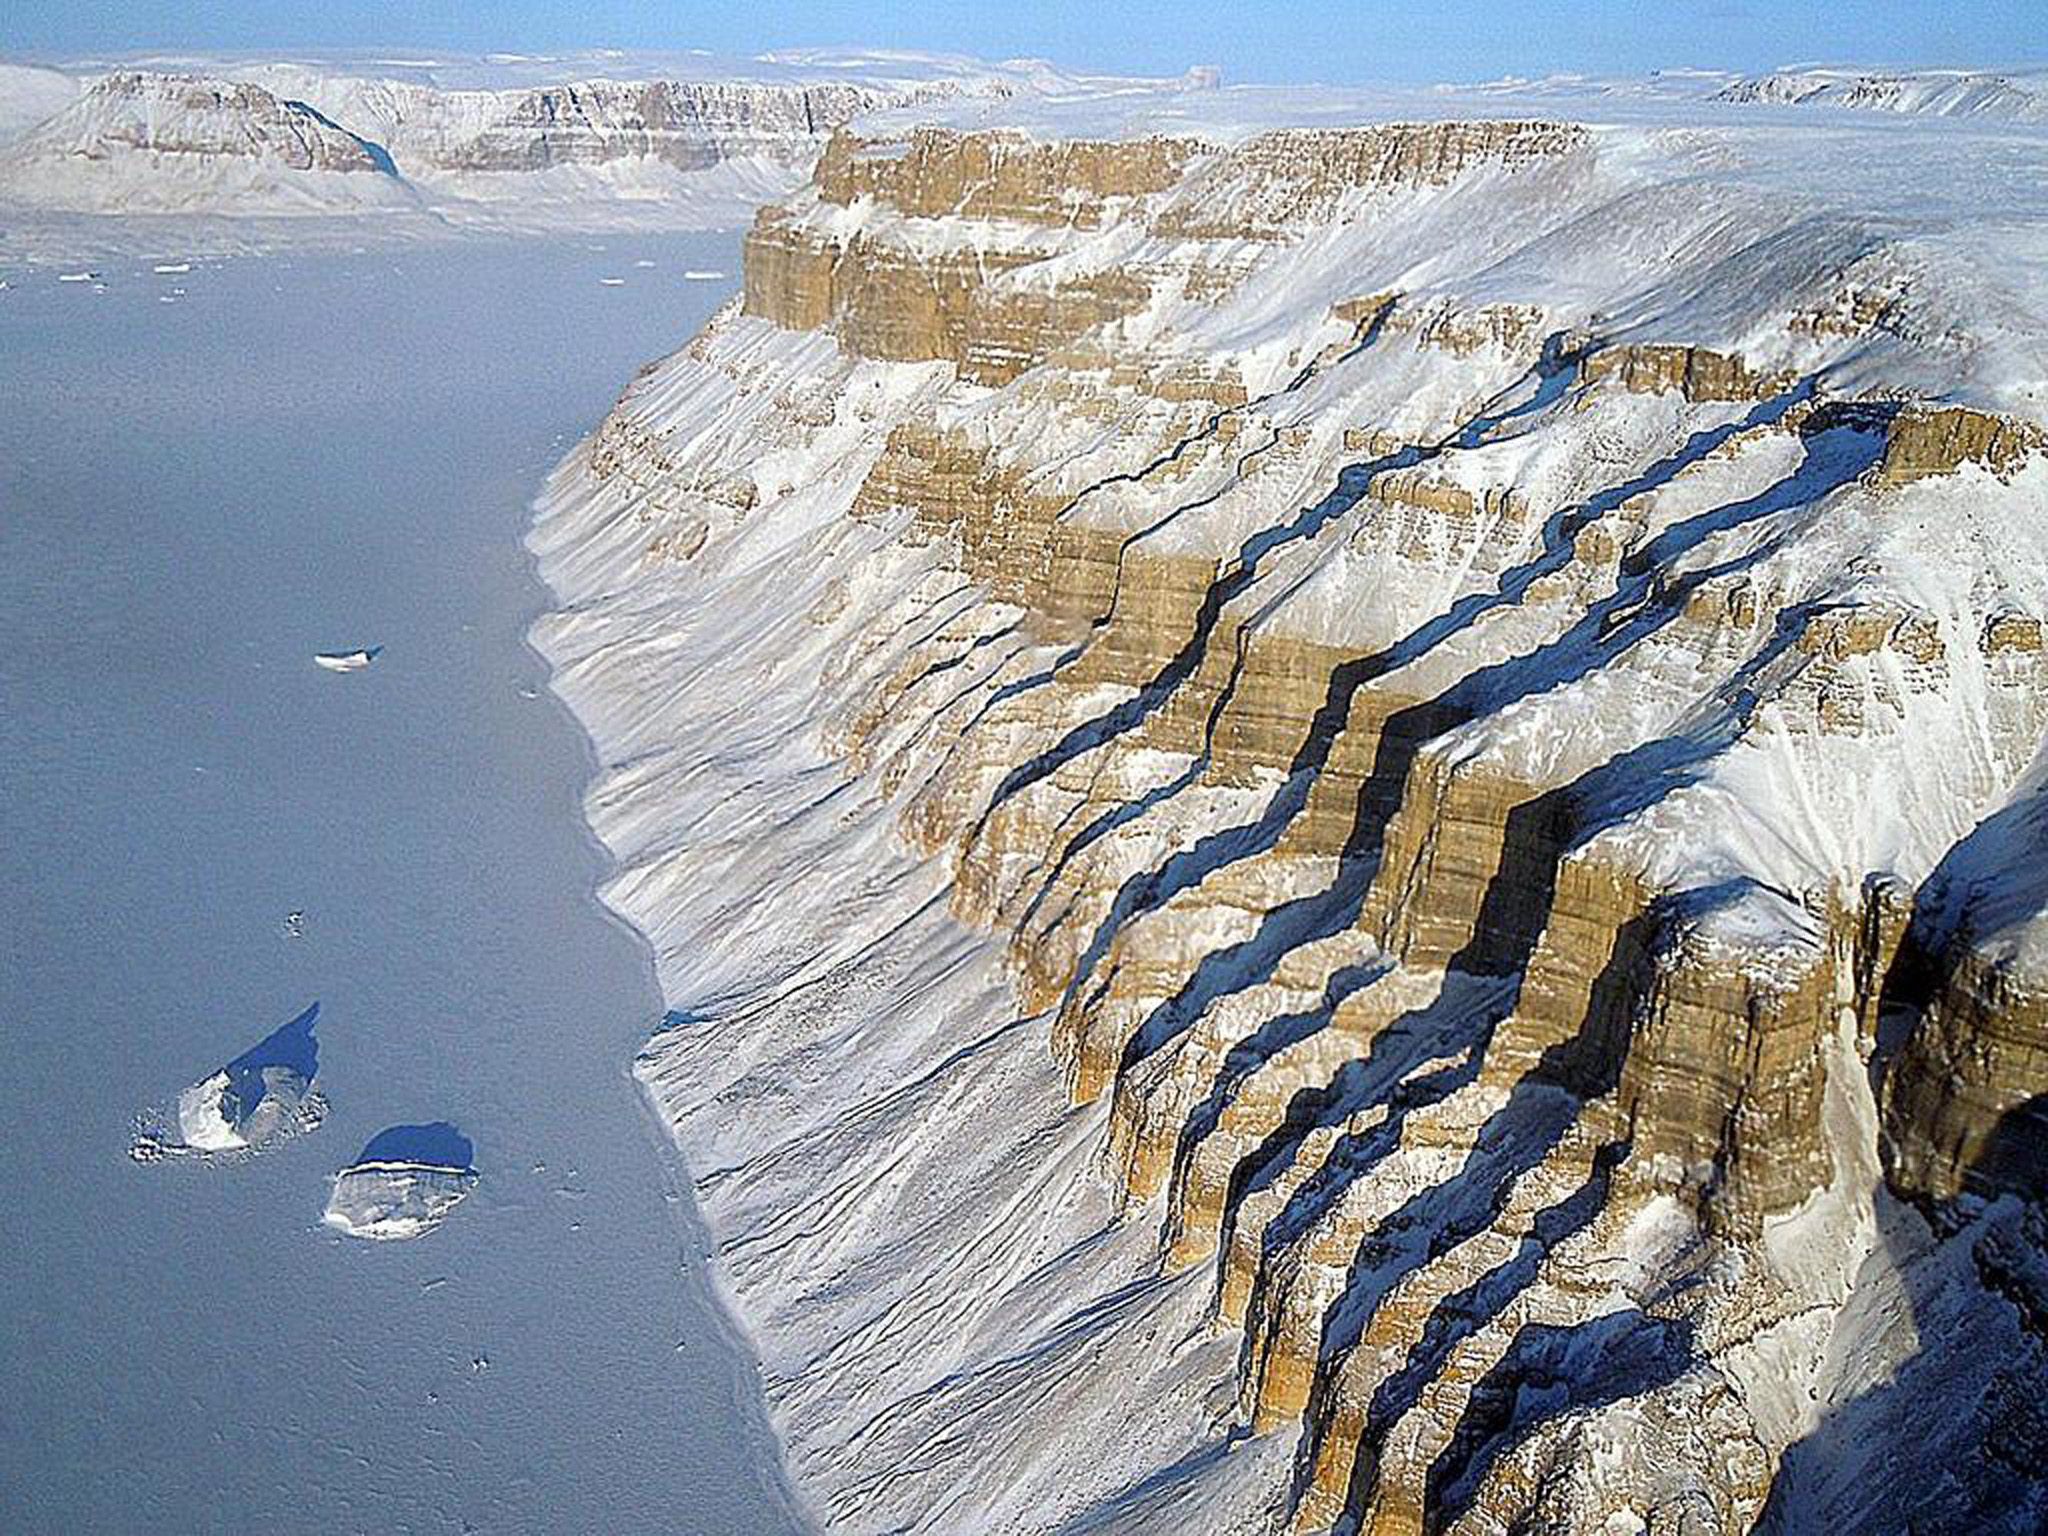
[588, 139]
[607, 139]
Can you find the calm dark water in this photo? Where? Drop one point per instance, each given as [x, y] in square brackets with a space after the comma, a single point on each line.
[305, 453]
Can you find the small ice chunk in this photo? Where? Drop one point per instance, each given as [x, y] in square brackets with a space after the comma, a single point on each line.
[346, 661]
[170, 268]
[612, 282]
[265, 1095]
[404, 1184]
[702, 275]
[78, 277]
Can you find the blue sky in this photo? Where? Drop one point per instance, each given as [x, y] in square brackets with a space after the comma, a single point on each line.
[1333, 40]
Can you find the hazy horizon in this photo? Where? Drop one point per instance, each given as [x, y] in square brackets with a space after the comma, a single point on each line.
[1322, 41]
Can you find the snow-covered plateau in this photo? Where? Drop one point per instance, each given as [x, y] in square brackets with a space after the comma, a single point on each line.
[1338, 795]
[256, 152]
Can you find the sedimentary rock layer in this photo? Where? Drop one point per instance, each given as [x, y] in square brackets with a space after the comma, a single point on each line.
[1478, 745]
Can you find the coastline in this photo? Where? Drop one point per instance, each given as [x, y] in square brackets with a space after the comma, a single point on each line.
[956, 1328]
[703, 1282]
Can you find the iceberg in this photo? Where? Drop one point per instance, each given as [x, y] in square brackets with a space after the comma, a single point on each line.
[264, 1096]
[404, 1184]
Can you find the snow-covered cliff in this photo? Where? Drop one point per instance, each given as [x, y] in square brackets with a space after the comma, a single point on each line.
[1336, 795]
[588, 140]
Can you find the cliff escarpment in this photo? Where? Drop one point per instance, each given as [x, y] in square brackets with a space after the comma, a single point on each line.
[639, 141]
[1371, 817]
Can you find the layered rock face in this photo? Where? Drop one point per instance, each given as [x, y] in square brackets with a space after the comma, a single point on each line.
[685, 125]
[185, 132]
[184, 115]
[1486, 752]
[262, 137]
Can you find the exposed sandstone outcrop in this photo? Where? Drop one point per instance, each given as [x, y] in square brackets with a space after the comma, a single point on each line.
[1450, 787]
[1934, 442]
[1696, 372]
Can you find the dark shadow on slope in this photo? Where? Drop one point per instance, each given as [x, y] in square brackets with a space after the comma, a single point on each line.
[1539, 1111]
[1549, 1372]
[1513, 910]
[1955, 1441]
[1637, 610]
[1368, 334]
[378, 155]
[1244, 1059]
[2015, 1155]
[1380, 1076]
[1462, 1314]
[1837, 454]
[1352, 484]
[1552, 373]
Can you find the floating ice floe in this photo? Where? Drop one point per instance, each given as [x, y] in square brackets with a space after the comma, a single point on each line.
[404, 1184]
[695, 275]
[78, 277]
[611, 282]
[262, 1097]
[171, 268]
[346, 661]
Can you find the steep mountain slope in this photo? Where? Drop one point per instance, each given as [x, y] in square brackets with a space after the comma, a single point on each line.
[1338, 801]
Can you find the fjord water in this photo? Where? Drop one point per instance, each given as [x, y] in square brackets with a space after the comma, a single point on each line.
[307, 453]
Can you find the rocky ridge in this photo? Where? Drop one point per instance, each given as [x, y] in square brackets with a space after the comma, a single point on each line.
[1481, 685]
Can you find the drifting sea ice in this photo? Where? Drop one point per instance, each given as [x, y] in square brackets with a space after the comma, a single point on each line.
[404, 1184]
[347, 661]
[262, 1097]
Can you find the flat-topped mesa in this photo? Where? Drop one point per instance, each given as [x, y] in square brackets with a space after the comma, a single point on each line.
[891, 292]
[686, 125]
[1277, 185]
